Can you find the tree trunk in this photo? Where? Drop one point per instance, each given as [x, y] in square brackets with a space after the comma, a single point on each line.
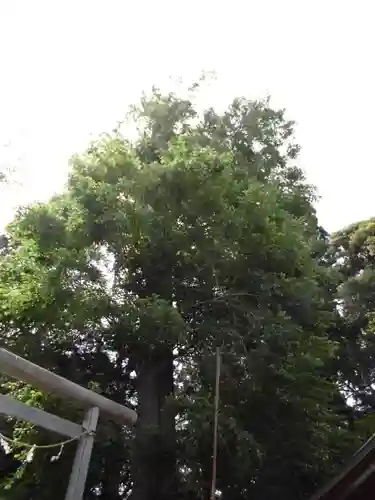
[154, 460]
[112, 476]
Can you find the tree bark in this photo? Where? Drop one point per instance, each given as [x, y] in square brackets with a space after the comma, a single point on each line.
[154, 459]
[112, 477]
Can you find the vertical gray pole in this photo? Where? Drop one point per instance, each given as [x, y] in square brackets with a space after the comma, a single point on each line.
[216, 421]
[81, 463]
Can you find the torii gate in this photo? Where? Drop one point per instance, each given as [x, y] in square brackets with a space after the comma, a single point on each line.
[48, 382]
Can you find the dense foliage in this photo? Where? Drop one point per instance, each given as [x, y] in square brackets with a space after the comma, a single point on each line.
[353, 250]
[199, 234]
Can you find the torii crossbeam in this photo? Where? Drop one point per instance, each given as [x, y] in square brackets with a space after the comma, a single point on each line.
[19, 368]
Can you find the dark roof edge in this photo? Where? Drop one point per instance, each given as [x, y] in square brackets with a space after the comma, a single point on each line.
[361, 454]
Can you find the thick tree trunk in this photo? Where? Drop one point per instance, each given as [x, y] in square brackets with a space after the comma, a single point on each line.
[112, 477]
[154, 463]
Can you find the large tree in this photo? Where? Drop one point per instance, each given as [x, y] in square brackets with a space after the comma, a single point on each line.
[199, 234]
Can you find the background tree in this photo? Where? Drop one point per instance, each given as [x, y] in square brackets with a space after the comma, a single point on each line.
[353, 249]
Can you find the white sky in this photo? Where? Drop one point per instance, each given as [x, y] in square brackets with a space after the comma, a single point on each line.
[70, 68]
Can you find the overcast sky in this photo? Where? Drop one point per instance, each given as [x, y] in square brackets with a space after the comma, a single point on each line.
[70, 68]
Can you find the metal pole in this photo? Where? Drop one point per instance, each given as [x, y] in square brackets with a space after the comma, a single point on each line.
[216, 421]
[81, 463]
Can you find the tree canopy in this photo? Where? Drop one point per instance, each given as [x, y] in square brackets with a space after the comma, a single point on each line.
[199, 233]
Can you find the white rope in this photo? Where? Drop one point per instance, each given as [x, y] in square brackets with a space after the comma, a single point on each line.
[33, 447]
